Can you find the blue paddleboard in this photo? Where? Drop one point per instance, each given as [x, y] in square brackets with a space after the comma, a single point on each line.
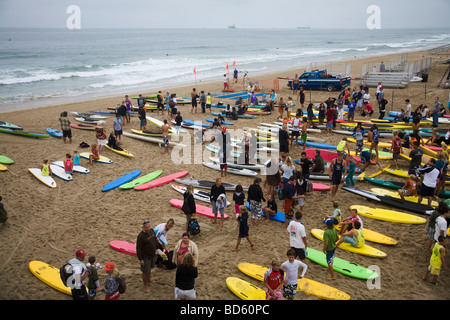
[54, 132]
[318, 145]
[280, 216]
[191, 122]
[228, 123]
[122, 180]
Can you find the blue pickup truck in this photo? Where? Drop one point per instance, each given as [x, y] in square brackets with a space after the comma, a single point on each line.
[320, 79]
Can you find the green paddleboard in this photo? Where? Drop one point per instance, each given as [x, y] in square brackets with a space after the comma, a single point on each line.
[144, 179]
[5, 160]
[398, 185]
[342, 266]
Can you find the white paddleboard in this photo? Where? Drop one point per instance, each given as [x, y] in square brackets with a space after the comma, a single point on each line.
[79, 169]
[60, 173]
[245, 166]
[154, 140]
[47, 180]
[198, 194]
[160, 123]
[238, 171]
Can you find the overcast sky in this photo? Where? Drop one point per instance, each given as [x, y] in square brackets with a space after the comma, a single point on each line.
[222, 13]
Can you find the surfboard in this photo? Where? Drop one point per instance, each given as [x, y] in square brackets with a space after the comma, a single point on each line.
[148, 133]
[367, 143]
[279, 216]
[123, 246]
[60, 173]
[103, 159]
[5, 160]
[88, 120]
[308, 286]
[192, 122]
[198, 194]
[160, 123]
[388, 215]
[366, 249]
[49, 275]
[141, 180]
[88, 115]
[245, 290]
[25, 134]
[318, 145]
[208, 184]
[234, 170]
[3, 167]
[47, 180]
[54, 132]
[123, 152]
[11, 126]
[226, 123]
[233, 153]
[82, 126]
[340, 265]
[200, 210]
[161, 181]
[152, 139]
[78, 169]
[122, 180]
[396, 195]
[376, 237]
[249, 166]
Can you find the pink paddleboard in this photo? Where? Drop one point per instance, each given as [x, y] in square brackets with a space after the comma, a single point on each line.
[160, 181]
[124, 246]
[320, 187]
[201, 210]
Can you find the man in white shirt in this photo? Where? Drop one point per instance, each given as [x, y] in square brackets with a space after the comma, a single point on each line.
[291, 267]
[408, 110]
[430, 175]
[297, 236]
[441, 226]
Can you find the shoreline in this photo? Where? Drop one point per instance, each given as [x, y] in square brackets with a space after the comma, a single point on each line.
[107, 94]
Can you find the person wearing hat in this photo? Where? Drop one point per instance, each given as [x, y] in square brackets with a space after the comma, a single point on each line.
[100, 134]
[80, 273]
[330, 237]
[146, 252]
[112, 282]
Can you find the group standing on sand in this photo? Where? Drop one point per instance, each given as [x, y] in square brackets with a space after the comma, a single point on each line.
[288, 185]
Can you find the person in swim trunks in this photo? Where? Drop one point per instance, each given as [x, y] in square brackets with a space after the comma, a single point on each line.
[165, 136]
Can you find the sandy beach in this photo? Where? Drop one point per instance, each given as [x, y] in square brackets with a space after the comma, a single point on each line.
[51, 224]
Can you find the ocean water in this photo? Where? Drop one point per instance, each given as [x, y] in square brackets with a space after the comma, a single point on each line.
[49, 66]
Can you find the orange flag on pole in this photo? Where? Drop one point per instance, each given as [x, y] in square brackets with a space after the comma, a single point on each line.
[195, 73]
[228, 71]
[234, 64]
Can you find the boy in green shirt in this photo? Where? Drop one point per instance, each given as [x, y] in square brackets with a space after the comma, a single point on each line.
[330, 236]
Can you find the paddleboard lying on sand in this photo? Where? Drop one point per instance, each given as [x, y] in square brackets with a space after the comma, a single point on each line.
[340, 265]
[78, 169]
[374, 236]
[5, 160]
[123, 246]
[305, 285]
[208, 184]
[60, 173]
[198, 194]
[249, 166]
[225, 123]
[388, 215]
[233, 153]
[245, 290]
[395, 185]
[54, 132]
[160, 123]
[148, 133]
[364, 250]
[151, 139]
[394, 194]
[123, 152]
[122, 180]
[141, 180]
[47, 180]
[88, 115]
[234, 170]
[82, 126]
[399, 203]
[199, 209]
[25, 134]
[279, 216]
[8, 125]
[103, 159]
[3, 168]
[192, 122]
[162, 180]
[49, 275]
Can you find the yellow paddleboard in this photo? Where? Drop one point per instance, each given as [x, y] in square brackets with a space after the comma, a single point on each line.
[3, 168]
[307, 286]
[396, 195]
[49, 275]
[103, 159]
[364, 250]
[367, 143]
[245, 290]
[429, 152]
[388, 215]
[374, 236]
[122, 153]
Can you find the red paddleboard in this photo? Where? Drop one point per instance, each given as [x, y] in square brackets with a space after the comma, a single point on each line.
[124, 246]
[160, 181]
[320, 187]
[201, 210]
